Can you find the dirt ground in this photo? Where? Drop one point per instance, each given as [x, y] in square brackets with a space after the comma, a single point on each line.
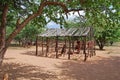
[22, 64]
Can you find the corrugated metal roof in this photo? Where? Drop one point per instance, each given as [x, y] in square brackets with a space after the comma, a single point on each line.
[82, 31]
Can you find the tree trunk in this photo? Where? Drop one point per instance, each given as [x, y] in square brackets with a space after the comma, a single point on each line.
[2, 53]
[3, 47]
[101, 43]
[5, 43]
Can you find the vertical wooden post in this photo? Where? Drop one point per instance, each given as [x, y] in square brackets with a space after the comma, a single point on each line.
[65, 40]
[84, 49]
[47, 46]
[94, 48]
[56, 47]
[65, 43]
[73, 44]
[69, 51]
[36, 45]
[42, 45]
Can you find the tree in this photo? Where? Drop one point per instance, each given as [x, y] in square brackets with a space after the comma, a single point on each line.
[29, 9]
[104, 17]
[28, 34]
[76, 22]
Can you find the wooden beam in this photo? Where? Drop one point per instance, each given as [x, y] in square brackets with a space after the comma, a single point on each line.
[84, 49]
[36, 45]
[47, 47]
[73, 46]
[65, 40]
[69, 51]
[56, 47]
[42, 46]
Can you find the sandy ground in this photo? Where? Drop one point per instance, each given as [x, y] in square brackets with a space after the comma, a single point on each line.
[22, 64]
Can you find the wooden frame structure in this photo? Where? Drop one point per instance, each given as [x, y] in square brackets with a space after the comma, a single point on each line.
[85, 32]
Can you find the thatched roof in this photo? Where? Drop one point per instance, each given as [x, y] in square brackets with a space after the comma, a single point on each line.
[82, 31]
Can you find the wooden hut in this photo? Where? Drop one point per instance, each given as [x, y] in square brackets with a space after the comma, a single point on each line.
[86, 33]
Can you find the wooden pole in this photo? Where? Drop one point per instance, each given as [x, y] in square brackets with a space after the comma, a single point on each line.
[36, 45]
[65, 40]
[42, 45]
[84, 49]
[73, 46]
[69, 49]
[46, 46]
[56, 47]
[94, 48]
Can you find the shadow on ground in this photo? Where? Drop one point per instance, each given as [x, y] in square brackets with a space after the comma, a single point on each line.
[25, 72]
[102, 69]
[105, 69]
[33, 53]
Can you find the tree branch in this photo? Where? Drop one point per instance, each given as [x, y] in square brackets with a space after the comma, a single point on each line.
[34, 15]
[64, 7]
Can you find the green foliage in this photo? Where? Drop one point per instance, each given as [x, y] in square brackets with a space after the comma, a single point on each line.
[29, 33]
[8, 31]
[102, 14]
[70, 24]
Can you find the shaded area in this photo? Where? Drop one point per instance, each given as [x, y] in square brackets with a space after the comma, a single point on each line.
[53, 56]
[32, 53]
[105, 69]
[104, 66]
[25, 72]
[102, 69]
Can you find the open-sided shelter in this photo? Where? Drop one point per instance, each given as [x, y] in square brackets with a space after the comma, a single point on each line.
[86, 33]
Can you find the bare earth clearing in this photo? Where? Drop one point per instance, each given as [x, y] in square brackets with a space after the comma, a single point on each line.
[22, 64]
